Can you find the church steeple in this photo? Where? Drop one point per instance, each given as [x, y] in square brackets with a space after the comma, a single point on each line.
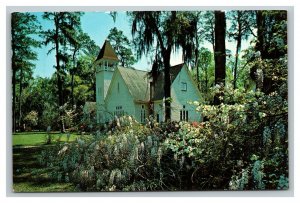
[107, 52]
[106, 64]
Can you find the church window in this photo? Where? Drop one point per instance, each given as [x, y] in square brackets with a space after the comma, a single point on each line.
[183, 86]
[119, 111]
[106, 65]
[184, 114]
[143, 114]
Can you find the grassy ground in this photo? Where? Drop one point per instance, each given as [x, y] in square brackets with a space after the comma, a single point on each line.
[38, 138]
[26, 148]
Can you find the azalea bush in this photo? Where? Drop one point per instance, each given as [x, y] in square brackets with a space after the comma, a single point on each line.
[241, 145]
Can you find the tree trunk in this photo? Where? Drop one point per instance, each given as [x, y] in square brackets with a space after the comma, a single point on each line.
[58, 71]
[238, 47]
[72, 90]
[206, 80]
[197, 57]
[220, 54]
[260, 34]
[262, 48]
[213, 39]
[20, 99]
[14, 96]
[258, 47]
[196, 63]
[197, 73]
[167, 84]
[166, 54]
[72, 79]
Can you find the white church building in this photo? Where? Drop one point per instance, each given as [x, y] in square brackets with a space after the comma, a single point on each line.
[127, 91]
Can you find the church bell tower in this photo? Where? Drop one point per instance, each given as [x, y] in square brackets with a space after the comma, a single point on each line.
[105, 65]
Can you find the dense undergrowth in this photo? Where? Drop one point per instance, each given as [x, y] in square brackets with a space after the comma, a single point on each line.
[243, 145]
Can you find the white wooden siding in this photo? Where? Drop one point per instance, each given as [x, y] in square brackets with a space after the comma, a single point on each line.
[180, 98]
[122, 98]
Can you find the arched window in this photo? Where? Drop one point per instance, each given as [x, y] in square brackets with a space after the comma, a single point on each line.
[184, 114]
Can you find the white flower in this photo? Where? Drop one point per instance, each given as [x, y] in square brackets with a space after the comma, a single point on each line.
[63, 150]
[196, 103]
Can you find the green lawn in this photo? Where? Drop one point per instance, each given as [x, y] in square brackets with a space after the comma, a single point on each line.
[38, 138]
[26, 149]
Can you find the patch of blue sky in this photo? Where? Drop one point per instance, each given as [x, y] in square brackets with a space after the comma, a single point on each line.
[97, 25]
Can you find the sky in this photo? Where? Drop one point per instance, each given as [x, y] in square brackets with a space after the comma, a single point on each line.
[97, 25]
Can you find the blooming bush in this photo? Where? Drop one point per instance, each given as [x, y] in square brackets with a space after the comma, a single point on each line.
[242, 146]
[31, 119]
[119, 160]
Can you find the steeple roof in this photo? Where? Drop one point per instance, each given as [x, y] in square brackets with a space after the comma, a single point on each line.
[107, 52]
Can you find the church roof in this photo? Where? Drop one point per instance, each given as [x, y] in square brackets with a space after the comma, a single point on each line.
[107, 52]
[159, 84]
[137, 83]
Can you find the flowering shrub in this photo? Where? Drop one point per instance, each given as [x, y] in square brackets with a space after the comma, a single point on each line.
[119, 160]
[241, 146]
[31, 119]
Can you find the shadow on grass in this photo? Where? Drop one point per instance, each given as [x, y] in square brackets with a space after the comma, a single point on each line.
[25, 162]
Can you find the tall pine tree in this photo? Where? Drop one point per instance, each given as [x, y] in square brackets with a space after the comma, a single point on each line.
[220, 54]
[23, 28]
[65, 26]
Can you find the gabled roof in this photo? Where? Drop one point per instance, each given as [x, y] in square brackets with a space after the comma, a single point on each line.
[107, 52]
[137, 83]
[159, 84]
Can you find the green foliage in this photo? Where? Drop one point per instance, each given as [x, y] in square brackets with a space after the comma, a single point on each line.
[24, 28]
[207, 74]
[231, 151]
[258, 175]
[67, 115]
[208, 27]
[66, 31]
[50, 116]
[121, 45]
[283, 182]
[241, 144]
[31, 118]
